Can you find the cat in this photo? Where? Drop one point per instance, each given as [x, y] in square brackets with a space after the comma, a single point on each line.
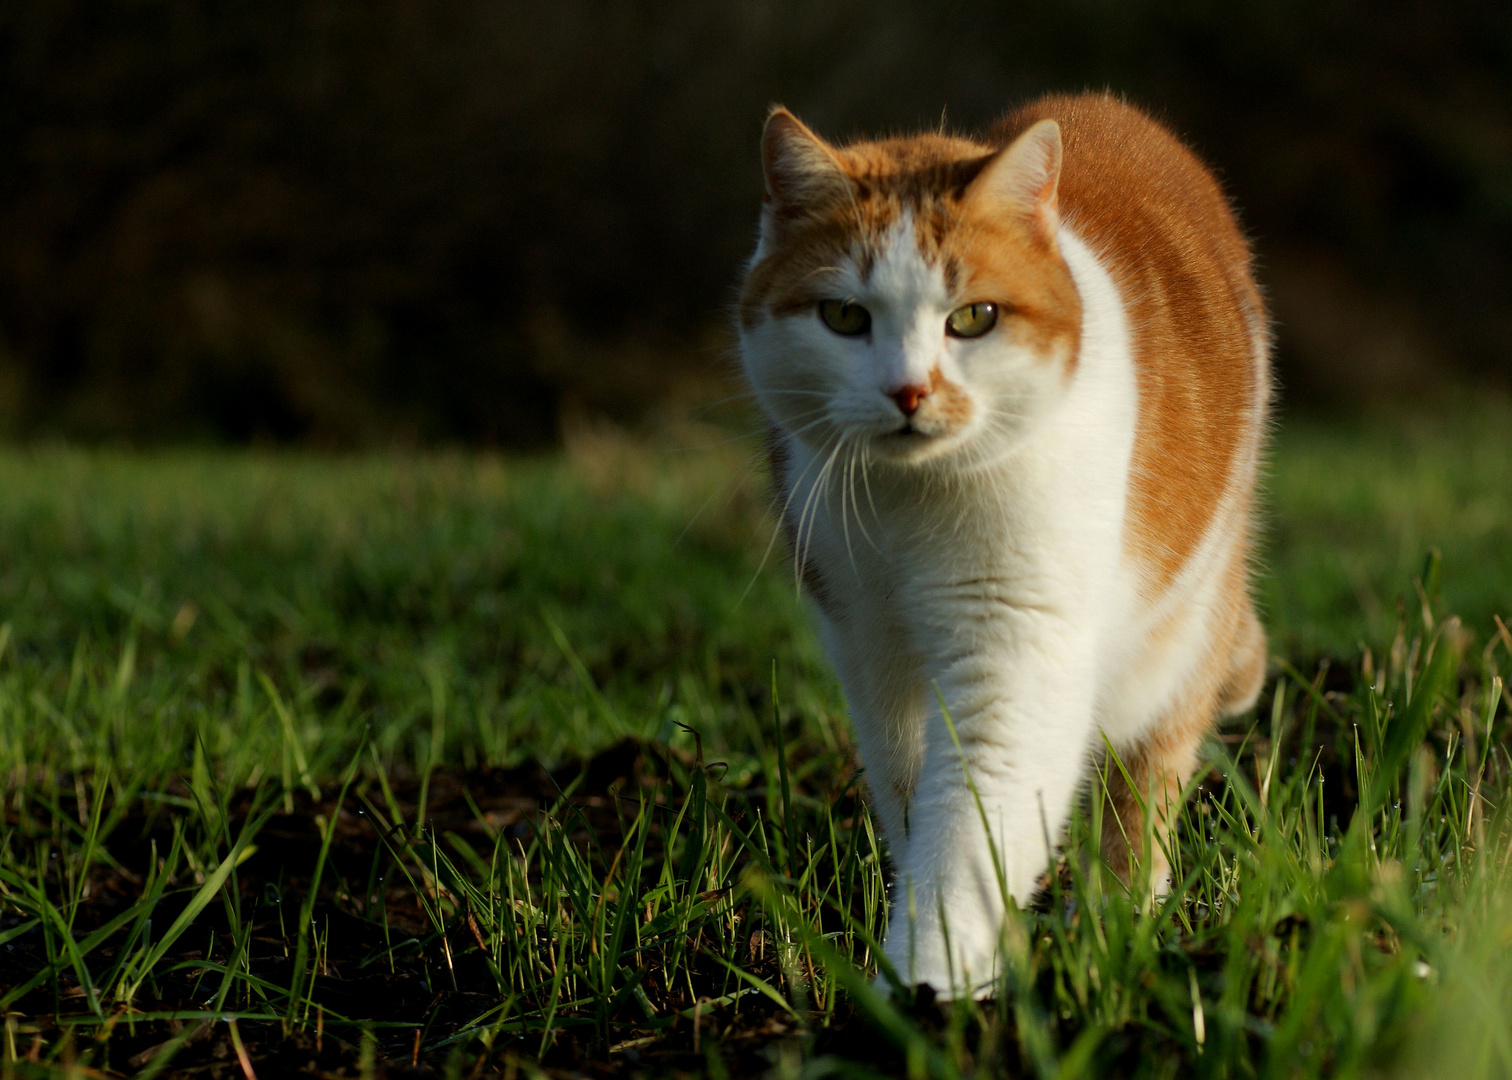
[1017, 391]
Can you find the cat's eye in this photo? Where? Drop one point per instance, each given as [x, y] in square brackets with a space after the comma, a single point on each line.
[971, 321]
[845, 317]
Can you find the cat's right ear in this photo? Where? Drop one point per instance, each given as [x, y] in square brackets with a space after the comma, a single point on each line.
[1023, 178]
[802, 170]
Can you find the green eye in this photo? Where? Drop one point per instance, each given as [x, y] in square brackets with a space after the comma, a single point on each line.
[845, 317]
[973, 320]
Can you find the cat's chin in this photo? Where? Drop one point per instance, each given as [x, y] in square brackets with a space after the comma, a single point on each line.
[912, 447]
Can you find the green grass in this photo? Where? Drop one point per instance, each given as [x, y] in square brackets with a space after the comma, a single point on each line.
[482, 763]
[1356, 504]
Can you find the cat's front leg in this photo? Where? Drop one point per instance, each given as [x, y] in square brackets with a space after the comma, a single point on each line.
[1002, 762]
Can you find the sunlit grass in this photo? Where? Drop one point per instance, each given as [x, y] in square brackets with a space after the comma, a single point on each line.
[269, 727]
[1355, 504]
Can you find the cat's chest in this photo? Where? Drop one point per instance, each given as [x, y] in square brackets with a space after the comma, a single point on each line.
[919, 558]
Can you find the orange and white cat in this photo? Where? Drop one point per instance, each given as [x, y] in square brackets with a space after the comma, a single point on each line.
[1017, 388]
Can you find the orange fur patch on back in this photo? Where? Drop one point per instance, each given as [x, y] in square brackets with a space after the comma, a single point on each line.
[1156, 218]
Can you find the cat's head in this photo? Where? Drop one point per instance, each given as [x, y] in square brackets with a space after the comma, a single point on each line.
[909, 294]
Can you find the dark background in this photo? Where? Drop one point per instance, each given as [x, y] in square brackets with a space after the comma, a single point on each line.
[393, 221]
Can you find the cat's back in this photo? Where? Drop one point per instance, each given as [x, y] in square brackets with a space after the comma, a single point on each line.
[1144, 201]
[1159, 222]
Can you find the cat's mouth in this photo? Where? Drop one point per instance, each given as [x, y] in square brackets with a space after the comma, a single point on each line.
[910, 431]
[910, 441]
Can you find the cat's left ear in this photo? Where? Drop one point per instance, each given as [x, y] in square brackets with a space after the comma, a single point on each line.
[802, 171]
[1024, 176]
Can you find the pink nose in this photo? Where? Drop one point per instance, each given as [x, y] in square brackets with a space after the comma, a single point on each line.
[908, 398]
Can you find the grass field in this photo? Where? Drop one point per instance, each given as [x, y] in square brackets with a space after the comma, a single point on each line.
[469, 766]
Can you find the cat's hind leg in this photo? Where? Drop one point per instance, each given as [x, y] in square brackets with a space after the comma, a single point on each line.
[1144, 785]
[1142, 789]
[1247, 664]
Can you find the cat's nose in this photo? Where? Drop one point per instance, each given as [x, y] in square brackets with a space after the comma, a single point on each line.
[908, 398]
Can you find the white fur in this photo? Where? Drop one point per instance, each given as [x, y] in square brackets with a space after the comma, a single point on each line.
[982, 567]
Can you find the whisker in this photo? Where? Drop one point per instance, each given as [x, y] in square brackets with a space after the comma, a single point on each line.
[740, 395]
[856, 451]
[716, 444]
[866, 480]
[728, 483]
[799, 544]
[805, 539]
[772, 541]
[819, 415]
[810, 425]
[845, 519]
[752, 395]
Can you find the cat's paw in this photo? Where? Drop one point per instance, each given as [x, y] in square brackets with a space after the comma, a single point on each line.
[970, 969]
